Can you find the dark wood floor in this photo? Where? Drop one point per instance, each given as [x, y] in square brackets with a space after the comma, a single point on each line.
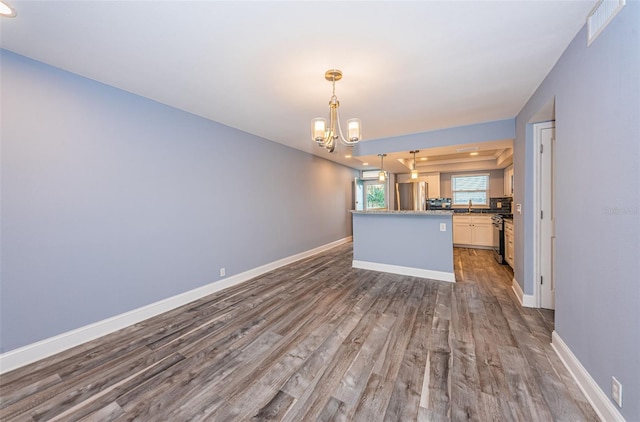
[318, 340]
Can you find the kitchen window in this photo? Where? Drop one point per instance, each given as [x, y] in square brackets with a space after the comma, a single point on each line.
[470, 187]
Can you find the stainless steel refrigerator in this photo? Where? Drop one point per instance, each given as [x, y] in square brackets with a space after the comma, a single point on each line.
[412, 196]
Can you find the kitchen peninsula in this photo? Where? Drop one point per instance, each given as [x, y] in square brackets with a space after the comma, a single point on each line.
[414, 243]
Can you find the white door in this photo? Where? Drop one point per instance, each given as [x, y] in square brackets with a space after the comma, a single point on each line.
[358, 194]
[547, 218]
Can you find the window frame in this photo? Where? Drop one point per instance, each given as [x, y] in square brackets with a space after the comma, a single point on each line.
[375, 182]
[486, 190]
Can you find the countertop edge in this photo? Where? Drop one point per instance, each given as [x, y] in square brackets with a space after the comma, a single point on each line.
[405, 212]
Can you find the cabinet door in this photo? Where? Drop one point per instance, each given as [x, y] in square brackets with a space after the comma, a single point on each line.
[434, 185]
[508, 243]
[482, 233]
[508, 249]
[508, 181]
[462, 233]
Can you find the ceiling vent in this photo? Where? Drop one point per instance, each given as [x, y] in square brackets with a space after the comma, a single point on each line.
[600, 16]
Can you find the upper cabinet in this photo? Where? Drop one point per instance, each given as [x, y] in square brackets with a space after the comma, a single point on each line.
[433, 181]
[508, 181]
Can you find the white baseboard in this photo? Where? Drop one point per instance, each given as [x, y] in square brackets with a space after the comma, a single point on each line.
[410, 271]
[33, 352]
[604, 407]
[528, 301]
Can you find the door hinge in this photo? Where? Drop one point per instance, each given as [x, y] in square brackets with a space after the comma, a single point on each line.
[541, 215]
[541, 280]
[541, 148]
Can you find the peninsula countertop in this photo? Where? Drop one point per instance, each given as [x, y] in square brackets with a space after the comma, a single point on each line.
[410, 212]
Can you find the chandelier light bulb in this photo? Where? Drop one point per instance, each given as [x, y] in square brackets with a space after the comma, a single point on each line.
[6, 10]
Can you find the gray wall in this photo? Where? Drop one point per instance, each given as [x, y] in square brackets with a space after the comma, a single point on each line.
[111, 201]
[597, 112]
[496, 182]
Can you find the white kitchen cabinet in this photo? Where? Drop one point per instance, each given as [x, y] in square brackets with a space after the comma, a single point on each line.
[433, 180]
[508, 242]
[508, 181]
[482, 230]
[473, 230]
[462, 230]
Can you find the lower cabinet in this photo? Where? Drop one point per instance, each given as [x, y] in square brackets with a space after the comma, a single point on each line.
[508, 242]
[473, 230]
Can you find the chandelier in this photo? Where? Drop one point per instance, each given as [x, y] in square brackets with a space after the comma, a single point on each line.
[327, 136]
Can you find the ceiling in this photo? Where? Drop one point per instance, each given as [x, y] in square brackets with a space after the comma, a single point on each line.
[489, 155]
[408, 67]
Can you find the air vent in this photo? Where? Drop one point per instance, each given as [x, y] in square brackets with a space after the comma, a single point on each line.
[600, 16]
[467, 149]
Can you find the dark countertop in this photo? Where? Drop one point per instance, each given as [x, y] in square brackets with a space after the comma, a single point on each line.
[479, 211]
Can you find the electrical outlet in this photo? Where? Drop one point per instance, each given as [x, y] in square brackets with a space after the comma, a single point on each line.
[223, 272]
[443, 227]
[616, 391]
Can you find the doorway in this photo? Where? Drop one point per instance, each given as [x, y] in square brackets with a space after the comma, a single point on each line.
[545, 140]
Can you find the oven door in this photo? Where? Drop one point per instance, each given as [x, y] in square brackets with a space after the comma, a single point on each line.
[498, 237]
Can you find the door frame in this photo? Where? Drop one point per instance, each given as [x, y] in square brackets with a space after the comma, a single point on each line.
[537, 191]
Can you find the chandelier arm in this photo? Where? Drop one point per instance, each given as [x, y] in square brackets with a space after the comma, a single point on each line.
[342, 138]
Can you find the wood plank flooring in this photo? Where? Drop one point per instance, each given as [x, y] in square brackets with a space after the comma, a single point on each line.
[318, 340]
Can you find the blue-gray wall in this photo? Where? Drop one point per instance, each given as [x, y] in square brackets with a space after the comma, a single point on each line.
[480, 132]
[376, 237]
[111, 201]
[597, 112]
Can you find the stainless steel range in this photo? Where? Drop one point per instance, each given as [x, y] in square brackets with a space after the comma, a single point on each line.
[498, 225]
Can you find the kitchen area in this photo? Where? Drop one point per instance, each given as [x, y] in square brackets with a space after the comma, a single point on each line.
[471, 201]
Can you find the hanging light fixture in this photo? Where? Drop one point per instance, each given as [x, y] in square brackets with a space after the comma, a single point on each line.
[326, 136]
[382, 175]
[6, 10]
[414, 171]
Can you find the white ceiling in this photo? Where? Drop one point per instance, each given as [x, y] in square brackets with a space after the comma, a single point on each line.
[408, 67]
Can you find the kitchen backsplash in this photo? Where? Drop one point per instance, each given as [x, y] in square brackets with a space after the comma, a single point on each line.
[496, 205]
[501, 204]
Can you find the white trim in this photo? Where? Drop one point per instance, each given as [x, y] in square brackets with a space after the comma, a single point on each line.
[528, 301]
[410, 271]
[537, 139]
[33, 352]
[602, 405]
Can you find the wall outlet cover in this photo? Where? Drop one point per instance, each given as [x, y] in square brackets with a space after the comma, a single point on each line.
[443, 227]
[616, 391]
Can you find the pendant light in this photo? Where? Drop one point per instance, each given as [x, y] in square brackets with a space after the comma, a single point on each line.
[382, 176]
[414, 171]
